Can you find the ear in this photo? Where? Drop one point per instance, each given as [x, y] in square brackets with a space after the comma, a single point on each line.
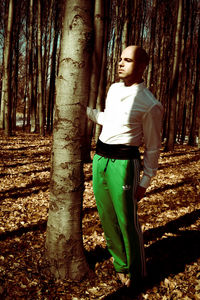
[142, 67]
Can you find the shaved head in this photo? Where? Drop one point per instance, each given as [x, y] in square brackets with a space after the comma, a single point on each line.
[139, 54]
[132, 64]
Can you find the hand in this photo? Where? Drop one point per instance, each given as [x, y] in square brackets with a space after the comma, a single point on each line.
[88, 111]
[140, 192]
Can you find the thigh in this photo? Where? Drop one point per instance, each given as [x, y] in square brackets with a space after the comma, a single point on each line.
[121, 186]
[101, 190]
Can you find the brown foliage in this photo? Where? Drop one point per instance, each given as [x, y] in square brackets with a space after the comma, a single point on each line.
[169, 214]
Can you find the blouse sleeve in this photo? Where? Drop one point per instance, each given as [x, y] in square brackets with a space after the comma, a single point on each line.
[152, 125]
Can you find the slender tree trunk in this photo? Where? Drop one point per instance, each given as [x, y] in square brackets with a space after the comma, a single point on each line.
[143, 22]
[174, 80]
[160, 70]
[40, 85]
[100, 104]
[134, 25]
[183, 128]
[2, 111]
[152, 44]
[34, 102]
[46, 58]
[2, 104]
[15, 66]
[183, 80]
[30, 66]
[196, 106]
[52, 86]
[51, 95]
[64, 243]
[139, 22]
[115, 46]
[25, 109]
[125, 26]
[99, 21]
[6, 84]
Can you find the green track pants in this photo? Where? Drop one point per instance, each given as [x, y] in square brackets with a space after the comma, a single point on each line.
[114, 184]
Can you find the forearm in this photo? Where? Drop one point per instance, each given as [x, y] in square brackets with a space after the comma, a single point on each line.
[150, 166]
[152, 124]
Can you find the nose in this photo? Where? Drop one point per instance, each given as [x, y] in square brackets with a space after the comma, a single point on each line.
[121, 62]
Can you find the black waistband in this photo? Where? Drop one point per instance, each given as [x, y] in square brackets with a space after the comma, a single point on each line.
[117, 151]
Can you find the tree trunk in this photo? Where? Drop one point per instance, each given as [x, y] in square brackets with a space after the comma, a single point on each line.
[99, 22]
[15, 65]
[134, 24]
[34, 102]
[40, 86]
[183, 81]
[47, 31]
[25, 108]
[116, 44]
[30, 66]
[64, 242]
[100, 104]
[125, 26]
[196, 106]
[6, 84]
[174, 80]
[51, 94]
[152, 44]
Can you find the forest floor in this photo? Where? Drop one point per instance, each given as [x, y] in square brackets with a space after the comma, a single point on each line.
[169, 215]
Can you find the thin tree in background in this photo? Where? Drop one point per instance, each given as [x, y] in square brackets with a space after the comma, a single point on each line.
[15, 65]
[3, 24]
[125, 26]
[40, 84]
[195, 126]
[174, 79]
[183, 80]
[47, 29]
[30, 66]
[64, 241]
[99, 29]
[34, 111]
[51, 94]
[152, 43]
[6, 81]
[197, 90]
[187, 84]
[100, 103]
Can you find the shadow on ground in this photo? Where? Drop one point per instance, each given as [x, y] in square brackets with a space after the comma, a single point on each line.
[167, 255]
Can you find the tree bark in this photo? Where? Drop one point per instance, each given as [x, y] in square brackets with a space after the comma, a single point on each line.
[100, 104]
[6, 84]
[99, 25]
[30, 66]
[48, 32]
[40, 83]
[196, 106]
[125, 26]
[64, 243]
[152, 44]
[51, 94]
[174, 80]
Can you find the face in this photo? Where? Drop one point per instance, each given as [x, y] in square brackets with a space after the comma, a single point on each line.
[129, 68]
